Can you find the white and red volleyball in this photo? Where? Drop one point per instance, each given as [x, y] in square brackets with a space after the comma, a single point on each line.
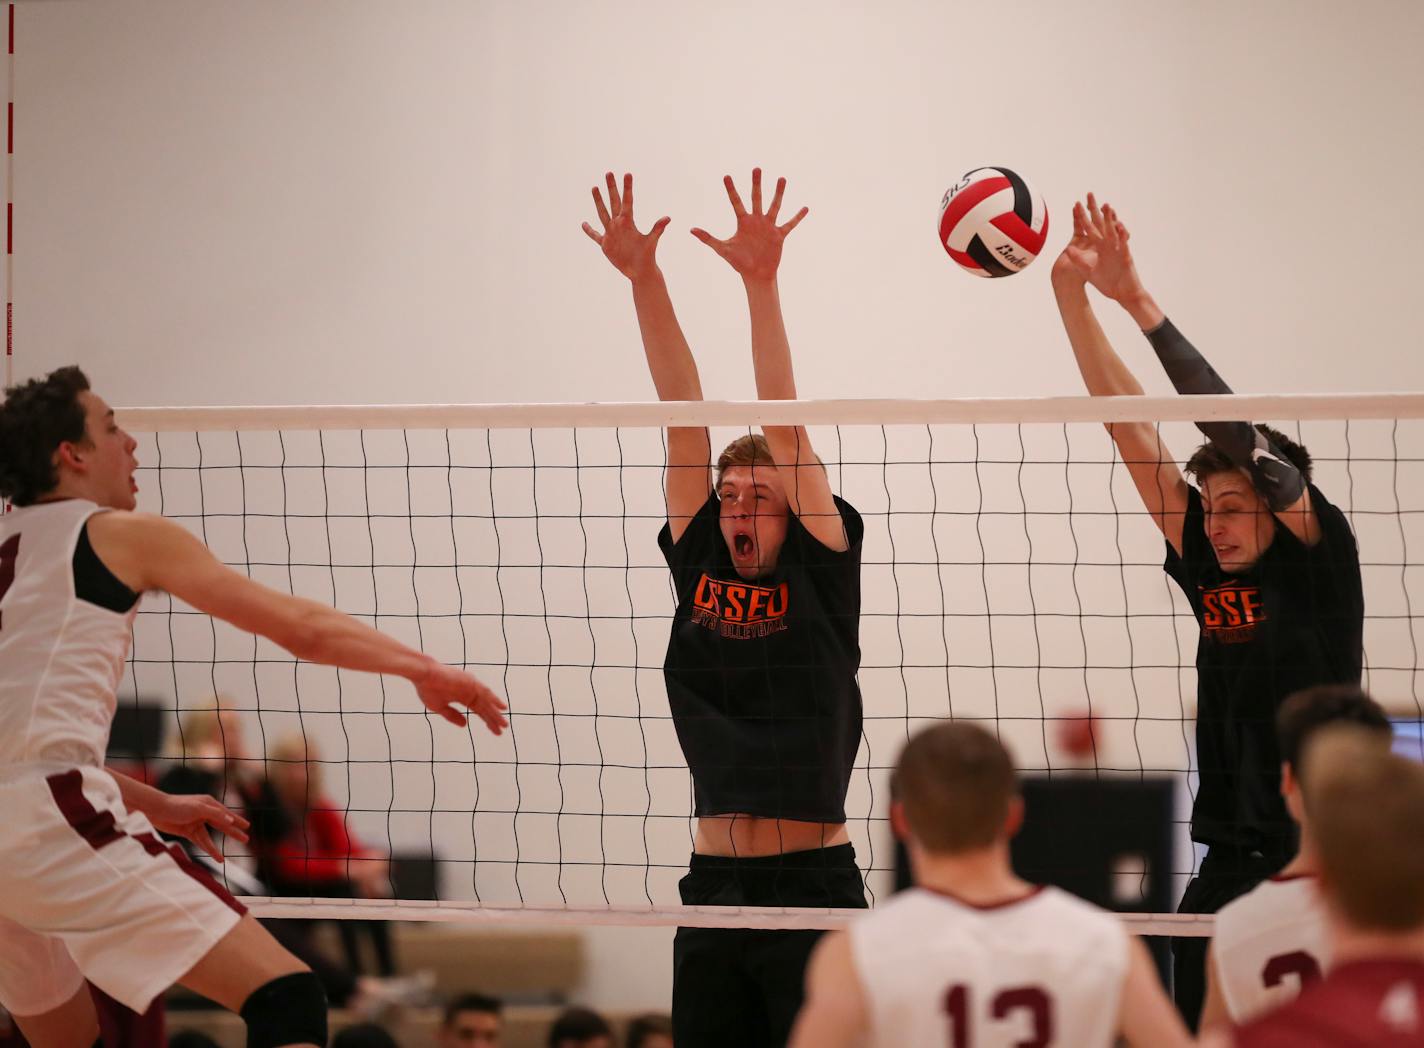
[992, 223]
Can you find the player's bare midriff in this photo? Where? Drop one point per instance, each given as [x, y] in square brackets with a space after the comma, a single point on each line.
[751, 836]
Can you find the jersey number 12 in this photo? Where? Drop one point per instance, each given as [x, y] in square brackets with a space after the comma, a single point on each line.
[1028, 999]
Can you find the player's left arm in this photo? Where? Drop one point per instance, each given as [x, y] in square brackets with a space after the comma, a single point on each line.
[187, 815]
[835, 1013]
[754, 251]
[1277, 479]
[1146, 1019]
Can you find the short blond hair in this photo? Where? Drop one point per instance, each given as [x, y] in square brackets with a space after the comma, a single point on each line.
[1366, 808]
[749, 450]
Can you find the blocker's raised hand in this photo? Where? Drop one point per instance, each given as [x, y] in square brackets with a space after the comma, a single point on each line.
[754, 250]
[632, 253]
[1099, 251]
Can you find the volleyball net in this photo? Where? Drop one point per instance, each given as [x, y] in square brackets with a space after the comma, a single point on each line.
[1010, 577]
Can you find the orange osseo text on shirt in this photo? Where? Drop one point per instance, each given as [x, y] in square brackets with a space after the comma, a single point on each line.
[1231, 612]
[739, 610]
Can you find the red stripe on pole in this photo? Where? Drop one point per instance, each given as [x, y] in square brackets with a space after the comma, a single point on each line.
[966, 199]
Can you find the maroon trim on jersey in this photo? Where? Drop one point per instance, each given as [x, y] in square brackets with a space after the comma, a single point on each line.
[1033, 891]
[99, 829]
[1285, 878]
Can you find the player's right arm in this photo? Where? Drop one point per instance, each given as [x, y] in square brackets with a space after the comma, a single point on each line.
[1146, 1019]
[670, 358]
[1153, 470]
[1214, 1008]
[147, 552]
[834, 1014]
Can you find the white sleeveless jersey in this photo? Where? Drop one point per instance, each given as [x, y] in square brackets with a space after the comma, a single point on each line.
[61, 658]
[1267, 944]
[1046, 970]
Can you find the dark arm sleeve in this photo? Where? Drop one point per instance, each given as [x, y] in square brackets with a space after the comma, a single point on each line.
[1273, 475]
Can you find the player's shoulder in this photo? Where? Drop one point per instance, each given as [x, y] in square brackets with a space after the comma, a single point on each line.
[129, 523]
[1273, 895]
[1377, 1001]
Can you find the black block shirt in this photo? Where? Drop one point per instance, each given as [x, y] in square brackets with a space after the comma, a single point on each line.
[1294, 620]
[761, 673]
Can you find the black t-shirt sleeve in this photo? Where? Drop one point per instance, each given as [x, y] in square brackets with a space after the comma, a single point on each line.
[698, 546]
[1334, 561]
[836, 573]
[1185, 568]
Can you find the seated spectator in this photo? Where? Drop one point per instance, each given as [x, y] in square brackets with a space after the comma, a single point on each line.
[580, 1028]
[317, 856]
[471, 1020]
[650, 1031]
[364, 1035]
[211, 756]
[191, 1039]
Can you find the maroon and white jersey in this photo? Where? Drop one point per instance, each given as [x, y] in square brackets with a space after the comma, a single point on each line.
[1044, 970]
[1268, 945]
[1376, 1003]
[61, 658]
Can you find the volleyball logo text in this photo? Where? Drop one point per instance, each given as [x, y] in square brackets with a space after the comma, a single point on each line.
[739, 610]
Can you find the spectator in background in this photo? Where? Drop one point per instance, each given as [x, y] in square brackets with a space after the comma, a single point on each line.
[191, 1039]
[364, 1035]
[580, 1028]
[471, 1020]
[317, 856]
[650, 1031]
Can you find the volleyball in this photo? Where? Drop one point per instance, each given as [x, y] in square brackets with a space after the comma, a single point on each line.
[992, 223]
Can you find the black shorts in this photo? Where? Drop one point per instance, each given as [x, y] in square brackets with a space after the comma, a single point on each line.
[744, 986]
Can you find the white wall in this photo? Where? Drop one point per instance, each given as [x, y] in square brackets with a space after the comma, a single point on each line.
[360, 202]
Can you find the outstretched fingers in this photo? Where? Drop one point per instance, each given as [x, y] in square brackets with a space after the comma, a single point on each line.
[736, 198]
[615, 202]
[708, 239]
[776, 199]
[603, 215]
[795, 221]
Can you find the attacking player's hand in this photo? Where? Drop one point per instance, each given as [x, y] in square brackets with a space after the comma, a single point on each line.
[189, 815]
[754, 250]
[632, 253]
[1099, 252]
[443, 688]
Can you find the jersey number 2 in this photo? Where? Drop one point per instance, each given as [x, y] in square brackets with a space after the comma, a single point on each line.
[1297, 963]
[9, 550]
[1019, 998]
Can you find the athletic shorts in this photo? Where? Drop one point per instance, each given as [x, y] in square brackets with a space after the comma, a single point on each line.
[88, 890]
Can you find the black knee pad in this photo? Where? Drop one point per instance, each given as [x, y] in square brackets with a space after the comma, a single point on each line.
[288, 1010]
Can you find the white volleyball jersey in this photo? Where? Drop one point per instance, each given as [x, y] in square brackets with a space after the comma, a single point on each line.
[61, 658]
[1268, 944]
[1045, 970]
